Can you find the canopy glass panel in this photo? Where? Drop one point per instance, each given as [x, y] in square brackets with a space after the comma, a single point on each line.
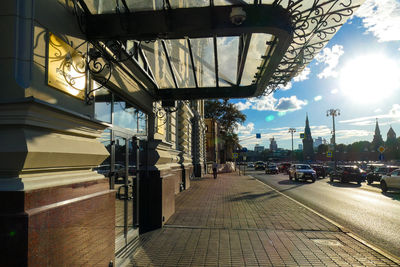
[210, 51]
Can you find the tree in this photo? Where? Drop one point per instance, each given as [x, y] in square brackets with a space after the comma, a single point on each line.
[225, 113]
[228, 116]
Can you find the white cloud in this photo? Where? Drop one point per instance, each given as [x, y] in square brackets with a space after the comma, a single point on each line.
[303, 75]
[317, 98]
[243, 106]
[272, 104]
[290, 104]
[381, 18]
[334, 91]
[378, 110]
[242, 129]
[263, 103]
[393, 115]
[345, 134]
[285, 87]
[329, 57]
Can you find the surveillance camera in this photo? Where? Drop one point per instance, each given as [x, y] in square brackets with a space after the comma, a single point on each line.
[238, 15]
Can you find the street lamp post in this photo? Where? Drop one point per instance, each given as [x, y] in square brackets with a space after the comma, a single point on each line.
[334, 113]
[292, 131]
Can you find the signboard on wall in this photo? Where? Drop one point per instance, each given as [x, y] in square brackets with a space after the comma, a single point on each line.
[66, 68]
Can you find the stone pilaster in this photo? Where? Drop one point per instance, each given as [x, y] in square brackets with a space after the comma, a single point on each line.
[59, 211]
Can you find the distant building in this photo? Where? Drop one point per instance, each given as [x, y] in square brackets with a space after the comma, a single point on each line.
[212, 147]
[308, 149]
[258, 148]
[391, 136]
[273, 146]
[377, 141]
[318, 141]
[300, 147]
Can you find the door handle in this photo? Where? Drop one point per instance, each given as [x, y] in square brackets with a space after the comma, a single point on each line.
[126, 194]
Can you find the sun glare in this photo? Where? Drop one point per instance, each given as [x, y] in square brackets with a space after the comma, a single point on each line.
[369, 78]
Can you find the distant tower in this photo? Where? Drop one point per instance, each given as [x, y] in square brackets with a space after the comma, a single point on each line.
[273, 146]
[391, 142]
[391, 135]
[377, 141]
[308, 150]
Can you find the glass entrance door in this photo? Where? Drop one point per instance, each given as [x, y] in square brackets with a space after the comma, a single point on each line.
[125, 177]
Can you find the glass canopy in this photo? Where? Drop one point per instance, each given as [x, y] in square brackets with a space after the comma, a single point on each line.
[195, 49]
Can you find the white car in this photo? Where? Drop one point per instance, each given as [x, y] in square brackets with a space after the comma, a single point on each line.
[391, 181]
[302, 171]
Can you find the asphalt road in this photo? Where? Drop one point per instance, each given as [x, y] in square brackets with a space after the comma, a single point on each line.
[364, 210]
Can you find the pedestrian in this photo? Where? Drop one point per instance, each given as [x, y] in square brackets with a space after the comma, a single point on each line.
[215, 168]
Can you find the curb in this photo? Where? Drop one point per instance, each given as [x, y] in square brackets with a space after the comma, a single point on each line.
[343, 229]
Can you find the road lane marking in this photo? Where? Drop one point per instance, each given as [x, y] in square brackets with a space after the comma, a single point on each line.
[343, 229]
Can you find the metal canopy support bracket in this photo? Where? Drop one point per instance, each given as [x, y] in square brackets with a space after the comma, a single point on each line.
[207, 92]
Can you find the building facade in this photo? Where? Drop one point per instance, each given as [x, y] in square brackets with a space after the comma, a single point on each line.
[88, 160]
[273, 146]
[102, 110]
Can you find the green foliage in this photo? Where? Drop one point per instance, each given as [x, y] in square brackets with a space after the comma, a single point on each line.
[225, 113]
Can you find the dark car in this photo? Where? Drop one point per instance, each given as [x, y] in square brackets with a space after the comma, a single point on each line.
[284, 167]
[348, 173]
[320, 170]
[259, 165]
[378, 172]
[271, 169]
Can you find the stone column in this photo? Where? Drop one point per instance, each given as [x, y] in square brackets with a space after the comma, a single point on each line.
[56, 211]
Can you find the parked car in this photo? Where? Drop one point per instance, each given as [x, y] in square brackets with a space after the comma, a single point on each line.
[302, 171]
[259, 165]
[348, 173]
[320, 170]
[271, 169]
[391, 181]
[377, 173]
[250, 165]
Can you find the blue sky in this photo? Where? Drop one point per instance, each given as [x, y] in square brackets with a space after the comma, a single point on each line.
[358, 72]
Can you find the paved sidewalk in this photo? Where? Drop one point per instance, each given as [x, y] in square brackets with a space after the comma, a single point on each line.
[237, 221]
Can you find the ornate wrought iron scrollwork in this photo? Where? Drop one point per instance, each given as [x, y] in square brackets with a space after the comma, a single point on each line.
[312, 28]
[100, 69]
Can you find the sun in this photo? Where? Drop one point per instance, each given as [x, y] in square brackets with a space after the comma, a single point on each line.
[369, 78]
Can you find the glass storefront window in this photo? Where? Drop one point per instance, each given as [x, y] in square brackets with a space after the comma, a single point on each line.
[102, 105]
[124, 115]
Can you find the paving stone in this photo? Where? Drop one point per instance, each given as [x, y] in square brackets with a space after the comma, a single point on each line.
[237, 221]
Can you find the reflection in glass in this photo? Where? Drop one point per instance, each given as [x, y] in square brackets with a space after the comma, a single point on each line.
[158, 63]
[102, 104]
[189, 3]
[119, 174]
[124, 115]
[228, 48]
[179, 55]
[203, 54]
[257, 48]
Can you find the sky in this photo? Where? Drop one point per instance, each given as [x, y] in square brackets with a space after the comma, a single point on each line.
[358, 72]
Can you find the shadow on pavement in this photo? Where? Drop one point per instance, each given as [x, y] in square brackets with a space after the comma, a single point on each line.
[271, 194]
[338, 184]
[395, 195]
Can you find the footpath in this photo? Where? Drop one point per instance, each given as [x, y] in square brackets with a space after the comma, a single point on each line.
[238, 221]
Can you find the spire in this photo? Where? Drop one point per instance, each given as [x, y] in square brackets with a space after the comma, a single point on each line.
[377, 131]
[307, 130]
[378, 140]
[308, 150]
[391, 134]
